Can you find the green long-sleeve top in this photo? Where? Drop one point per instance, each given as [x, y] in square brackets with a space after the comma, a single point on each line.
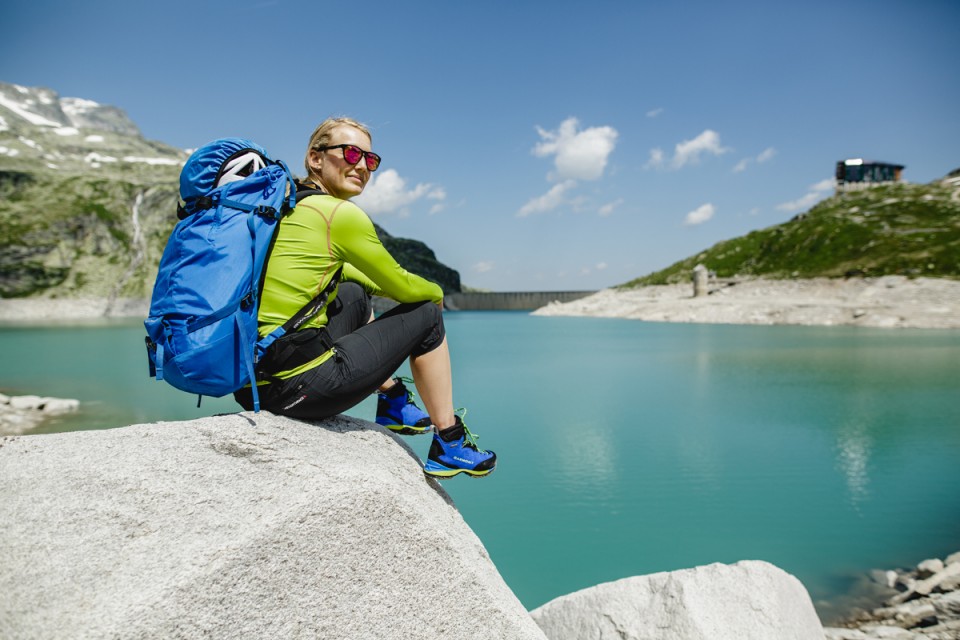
[319, 236]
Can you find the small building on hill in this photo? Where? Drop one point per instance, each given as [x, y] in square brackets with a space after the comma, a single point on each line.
[857, 173]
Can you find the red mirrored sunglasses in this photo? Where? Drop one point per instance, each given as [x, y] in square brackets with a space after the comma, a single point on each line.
[352, 154]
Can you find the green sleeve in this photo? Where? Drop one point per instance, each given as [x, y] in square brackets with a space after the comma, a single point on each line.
[355, 242]
[352, 274]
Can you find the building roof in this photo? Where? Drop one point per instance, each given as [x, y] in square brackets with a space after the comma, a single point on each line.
[876, 163]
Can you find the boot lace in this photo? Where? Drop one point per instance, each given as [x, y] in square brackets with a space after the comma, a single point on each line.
[408, 383]
[469, 439]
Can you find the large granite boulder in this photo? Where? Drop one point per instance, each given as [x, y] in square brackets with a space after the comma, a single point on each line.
[749, 600]
[239, 526]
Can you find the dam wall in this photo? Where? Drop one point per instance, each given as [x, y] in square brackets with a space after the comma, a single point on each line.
[509, 300]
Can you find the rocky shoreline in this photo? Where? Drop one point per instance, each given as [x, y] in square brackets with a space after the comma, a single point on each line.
[890, 301]
[70, 309]
[924, 605]
[20, 414]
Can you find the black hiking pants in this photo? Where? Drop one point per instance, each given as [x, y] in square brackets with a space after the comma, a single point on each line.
[365, 355]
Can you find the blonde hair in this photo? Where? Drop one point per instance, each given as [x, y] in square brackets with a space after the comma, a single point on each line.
[321, 137]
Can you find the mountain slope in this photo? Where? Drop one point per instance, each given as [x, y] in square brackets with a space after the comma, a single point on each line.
[899, 229]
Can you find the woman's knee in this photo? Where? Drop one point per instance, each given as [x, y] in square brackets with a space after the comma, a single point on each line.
[434, 331]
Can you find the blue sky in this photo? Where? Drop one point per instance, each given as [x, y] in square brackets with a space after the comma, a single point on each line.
[533, 145]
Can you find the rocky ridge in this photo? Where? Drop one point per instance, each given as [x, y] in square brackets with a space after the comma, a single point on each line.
[41, 130]
[87, 204]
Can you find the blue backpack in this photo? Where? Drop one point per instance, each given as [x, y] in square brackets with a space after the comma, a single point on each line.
[202, 327]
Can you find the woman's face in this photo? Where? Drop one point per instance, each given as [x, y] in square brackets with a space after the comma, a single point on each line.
[337, 177]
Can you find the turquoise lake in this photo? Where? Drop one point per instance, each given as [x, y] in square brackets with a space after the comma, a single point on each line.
[628, 448]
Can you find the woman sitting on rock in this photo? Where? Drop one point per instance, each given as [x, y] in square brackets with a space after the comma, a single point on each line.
[342, 355]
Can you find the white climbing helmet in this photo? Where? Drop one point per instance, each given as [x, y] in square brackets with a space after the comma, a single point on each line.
[240, 167]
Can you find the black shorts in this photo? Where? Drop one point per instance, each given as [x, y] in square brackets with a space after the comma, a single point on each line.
[365, 355]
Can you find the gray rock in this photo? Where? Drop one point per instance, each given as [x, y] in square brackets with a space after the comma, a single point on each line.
[907, 614]
[59, 405]
[41, 403]
[26, 403]
[945, 631]
[884, 578]
[884, 632]
[951, 583]
[953, 558]
[239, 526]
[837, 633]
[929, 568]
[926, 587]
[746, 601]
[948, 606]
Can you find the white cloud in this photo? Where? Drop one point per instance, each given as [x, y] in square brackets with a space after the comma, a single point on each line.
[608, 208]
[653, 113]
[656, 159]
[580, 155]
[689, 151]
[387, 193]
[600, 266]
[699, 215]
[815, 194]
[548, 201]
[483, 267]
[764, 156]
[440, 195]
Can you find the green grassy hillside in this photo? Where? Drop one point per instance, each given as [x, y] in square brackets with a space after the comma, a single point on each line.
[102, 234]
[901, 229]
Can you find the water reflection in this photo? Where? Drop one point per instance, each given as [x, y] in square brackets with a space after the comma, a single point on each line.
[853, 456]
[587, 455]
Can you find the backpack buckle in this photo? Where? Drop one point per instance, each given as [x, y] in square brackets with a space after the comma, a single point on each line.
[266, 212]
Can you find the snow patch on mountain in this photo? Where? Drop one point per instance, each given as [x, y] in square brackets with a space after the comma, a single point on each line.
[23, 110]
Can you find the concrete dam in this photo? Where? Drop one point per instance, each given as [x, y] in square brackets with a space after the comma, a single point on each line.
[508, 300]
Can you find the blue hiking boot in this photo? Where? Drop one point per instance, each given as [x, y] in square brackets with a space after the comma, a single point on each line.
[398, 411]
[454, 451]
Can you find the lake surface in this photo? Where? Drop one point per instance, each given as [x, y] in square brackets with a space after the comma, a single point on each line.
[628, 448]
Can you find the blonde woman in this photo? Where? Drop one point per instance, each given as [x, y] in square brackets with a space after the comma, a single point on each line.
[339, 356]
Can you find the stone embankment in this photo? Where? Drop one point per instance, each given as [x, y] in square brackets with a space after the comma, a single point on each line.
[890, 301]
[19, 414]
[926, 606]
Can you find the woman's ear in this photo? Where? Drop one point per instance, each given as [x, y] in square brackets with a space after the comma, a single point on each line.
[316, 161]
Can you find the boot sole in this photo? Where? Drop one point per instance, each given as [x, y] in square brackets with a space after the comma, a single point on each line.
[445, 473]
[407, 430]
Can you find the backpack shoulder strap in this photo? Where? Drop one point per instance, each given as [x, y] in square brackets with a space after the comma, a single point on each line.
[305, 189]
[313, 307]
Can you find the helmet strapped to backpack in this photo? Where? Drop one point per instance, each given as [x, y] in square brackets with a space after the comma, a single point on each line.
[202, 334]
